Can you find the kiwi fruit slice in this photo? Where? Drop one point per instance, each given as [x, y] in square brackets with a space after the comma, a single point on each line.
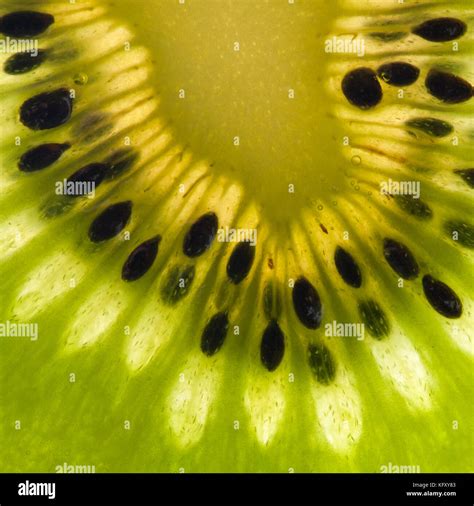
[165, 340]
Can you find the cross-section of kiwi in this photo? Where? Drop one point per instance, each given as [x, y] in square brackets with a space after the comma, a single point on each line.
[244, 170]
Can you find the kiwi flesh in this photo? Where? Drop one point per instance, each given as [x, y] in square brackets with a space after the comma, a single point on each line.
[161, 347]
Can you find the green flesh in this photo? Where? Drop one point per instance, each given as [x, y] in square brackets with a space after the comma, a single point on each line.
[145, 397]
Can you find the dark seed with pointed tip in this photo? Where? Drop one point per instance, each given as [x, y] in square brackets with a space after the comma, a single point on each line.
[400, 259]
[467, 175]
[414, 207]
[307, 303]
[41, 157]
[362, 88]
[447, 87]
[240, 262]
[110, 222]
[441, 297]
[140, 259]
[431, 126]
[272, 347]
[347, 267]
[21, 63]
[374, 319]
[47, 110]
[92, 174]
[214, 334]
[177, 284]
[398, 73]
[441, 29]
[23, 24]
[321, 363]
[200, 236]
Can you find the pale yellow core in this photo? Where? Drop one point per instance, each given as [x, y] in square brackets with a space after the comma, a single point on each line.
[244, 86]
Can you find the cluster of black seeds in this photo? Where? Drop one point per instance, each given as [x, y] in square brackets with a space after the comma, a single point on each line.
[21, 25]
[439, 295]
[307, 304]
[362, 89]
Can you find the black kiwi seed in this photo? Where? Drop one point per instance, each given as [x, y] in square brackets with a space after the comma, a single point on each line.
[398, 73]
[177, 284]
[200, 236]
[362, 88]
[21, 63]
[321, 363]
[467, 175]
[240, 262]
[347, 267]
[447, 87]
[92, 173]
[214, 334]
[272, 347]
[47, 110]
[431, 126]
[140, 259]
[25, 23]
[307, 303]
[110, 222]
[374, 318]
[400, 259]
[41, 157]
[441, 297]
[441, 29]
[415, 207]
[461, 232]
